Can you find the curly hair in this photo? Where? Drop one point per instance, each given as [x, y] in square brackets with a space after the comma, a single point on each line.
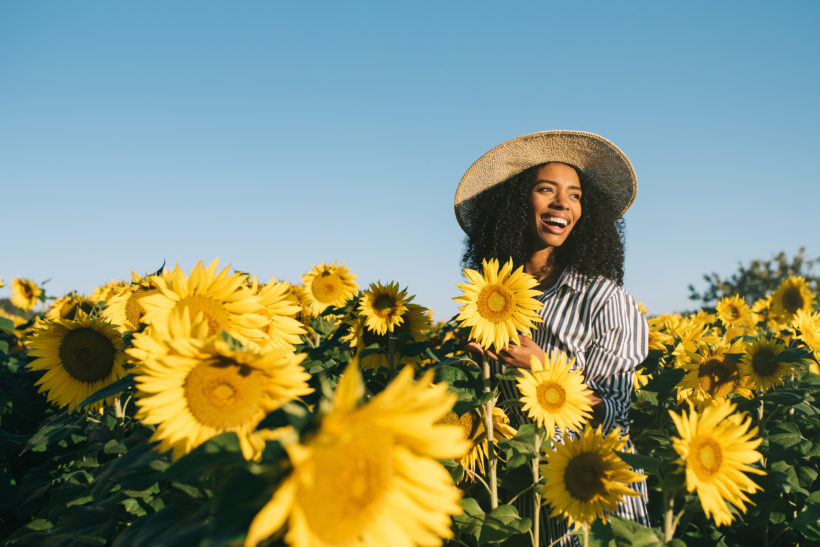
[594, 247]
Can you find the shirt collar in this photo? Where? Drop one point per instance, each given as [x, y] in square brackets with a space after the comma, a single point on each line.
[572, 279]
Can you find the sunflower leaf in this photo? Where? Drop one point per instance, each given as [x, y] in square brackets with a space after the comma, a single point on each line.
[6, 324]
[111, 389]
[627, 532]
[502, 523]
[665, 381]
[647, 463]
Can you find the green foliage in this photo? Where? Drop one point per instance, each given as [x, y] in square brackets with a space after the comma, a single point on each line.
[92, 477]
[754, 281]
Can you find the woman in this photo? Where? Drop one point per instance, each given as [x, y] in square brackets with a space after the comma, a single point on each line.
[552, 201]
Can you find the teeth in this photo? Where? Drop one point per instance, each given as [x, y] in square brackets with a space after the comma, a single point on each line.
[561, 221]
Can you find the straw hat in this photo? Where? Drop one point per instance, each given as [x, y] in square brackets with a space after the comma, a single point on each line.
[602, 163]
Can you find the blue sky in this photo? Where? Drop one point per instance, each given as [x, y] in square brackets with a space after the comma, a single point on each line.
[275, 136]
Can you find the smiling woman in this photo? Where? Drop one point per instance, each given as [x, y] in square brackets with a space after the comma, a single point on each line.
[551, 202]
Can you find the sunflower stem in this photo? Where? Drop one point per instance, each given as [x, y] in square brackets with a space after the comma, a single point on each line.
[477, 477]
[391, 347]
[669, 520]
[585, 530]
[536, 477]
[118, 409]
[492, 459]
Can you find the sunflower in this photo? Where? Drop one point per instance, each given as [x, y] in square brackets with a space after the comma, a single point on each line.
[733, 311]
[792, 295]
[283, 329]
[196, 386]
[225, 300]
[807, 326]
[108, 290]
[1, 283]
[472, 424]
[691, 335]
[299, 295]
[553, 395]
[640, 379]
[383, 307]
[498, 304]
[329, 285]
[761, 365]
[415, 323]
[716, 448]
[124, 308]
[712, 373]
[585, 477]
[659, 335]
[24, 293]
[736, 316]
[66, 307]
[370, 476]
[80, 357]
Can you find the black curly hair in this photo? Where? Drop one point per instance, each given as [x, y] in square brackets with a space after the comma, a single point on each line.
[594, 247]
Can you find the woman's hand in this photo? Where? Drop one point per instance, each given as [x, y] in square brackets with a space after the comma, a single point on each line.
[517, 356]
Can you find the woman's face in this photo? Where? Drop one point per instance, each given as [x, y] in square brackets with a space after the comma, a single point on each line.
[556, 204]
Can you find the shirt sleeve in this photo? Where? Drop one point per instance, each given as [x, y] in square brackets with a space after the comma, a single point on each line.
[619, 343]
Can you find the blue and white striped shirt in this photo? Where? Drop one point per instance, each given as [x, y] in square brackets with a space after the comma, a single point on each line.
[598, 323]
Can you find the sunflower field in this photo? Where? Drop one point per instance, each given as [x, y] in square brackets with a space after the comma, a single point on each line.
[211, 408]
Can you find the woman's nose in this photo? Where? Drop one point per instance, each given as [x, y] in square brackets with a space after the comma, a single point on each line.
[560, 201]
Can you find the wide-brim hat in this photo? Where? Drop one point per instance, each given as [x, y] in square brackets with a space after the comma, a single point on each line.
[601, 162]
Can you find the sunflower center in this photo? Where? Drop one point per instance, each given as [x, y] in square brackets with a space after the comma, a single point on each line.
[717, 376]
[384, 305]
[733, 313]
[763, 363]
[212, 310]
[585, 476]
[87, 355]
[495, 303]
[326, 287]
[707, 457]
[352, 474]
[225, 395]
[793, 299]
[28, 291]
[551, 396]
[133, 309]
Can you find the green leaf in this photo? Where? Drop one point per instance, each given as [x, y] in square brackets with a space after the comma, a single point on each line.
[647, 463]
[502, 523]
[114, 447]
[627, 532]
[6, 324]
[40, 524]
[784, 435]
[665, 381]
[808, 521]
[111, 389]
[133, 506]
[469, 523]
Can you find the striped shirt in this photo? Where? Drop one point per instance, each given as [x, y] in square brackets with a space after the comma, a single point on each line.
[598, 323]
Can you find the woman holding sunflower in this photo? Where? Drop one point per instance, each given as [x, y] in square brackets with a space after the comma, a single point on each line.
[552, 202]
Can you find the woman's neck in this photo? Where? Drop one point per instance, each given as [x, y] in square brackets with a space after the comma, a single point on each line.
[544, 266]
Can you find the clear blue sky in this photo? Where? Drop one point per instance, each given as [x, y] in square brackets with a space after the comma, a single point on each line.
[276, 135]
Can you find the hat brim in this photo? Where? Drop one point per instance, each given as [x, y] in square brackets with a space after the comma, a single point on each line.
[601, 162]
